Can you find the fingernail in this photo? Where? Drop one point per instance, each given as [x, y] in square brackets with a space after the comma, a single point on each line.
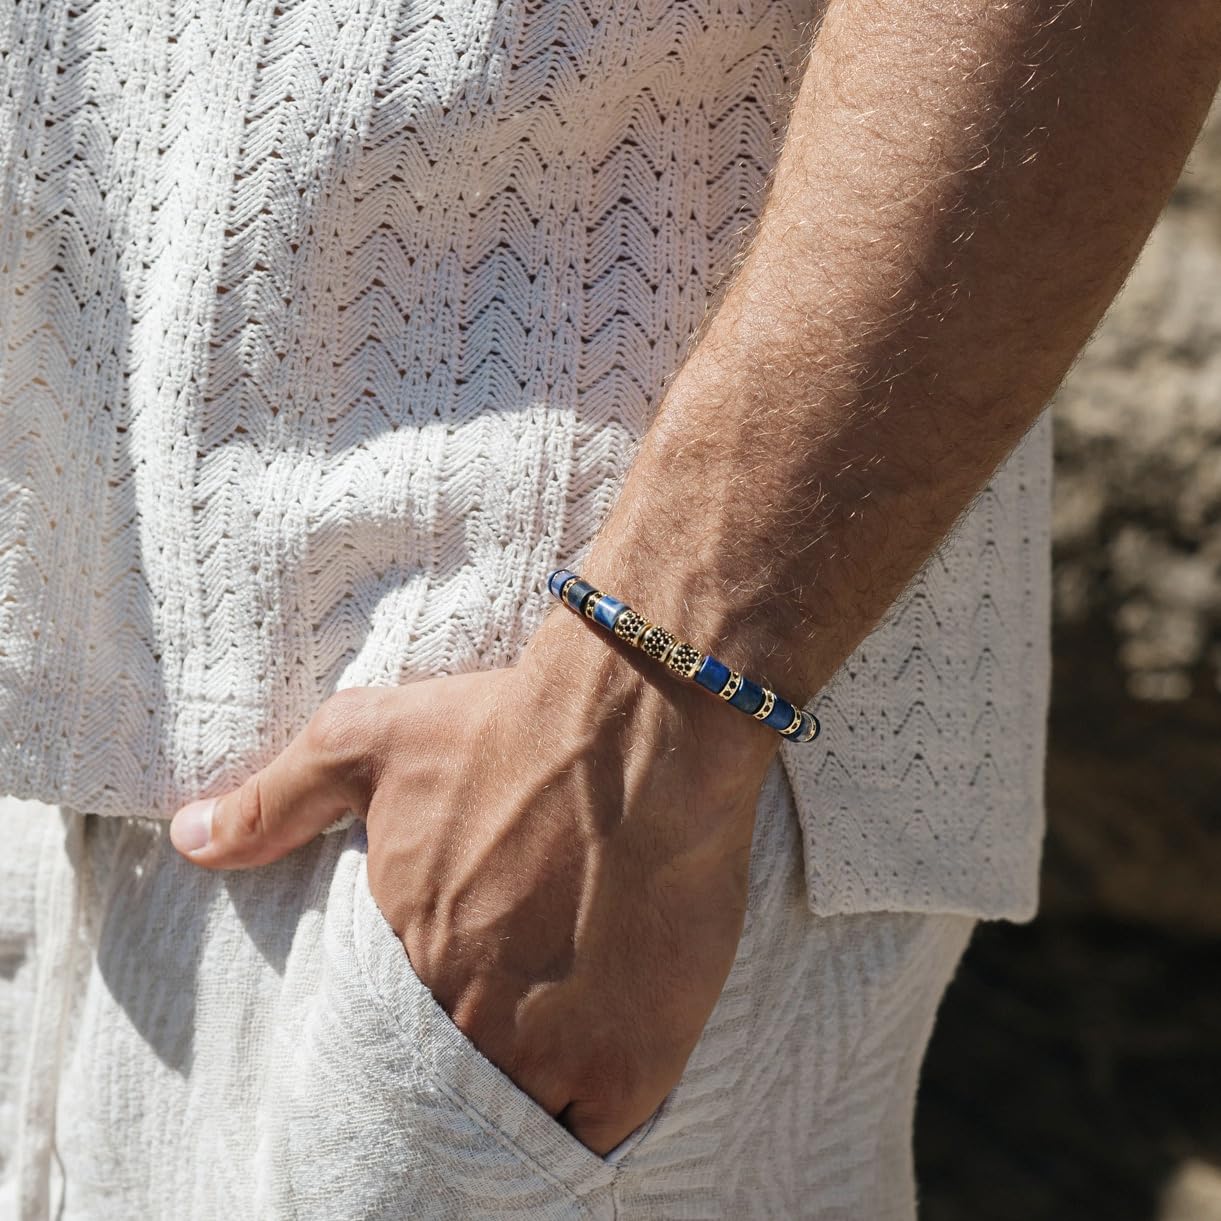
[192, 825]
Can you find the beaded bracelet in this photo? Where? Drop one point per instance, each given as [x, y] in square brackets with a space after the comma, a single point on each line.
[683, 659]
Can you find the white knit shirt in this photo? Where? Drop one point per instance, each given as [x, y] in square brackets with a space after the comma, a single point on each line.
[328, 331]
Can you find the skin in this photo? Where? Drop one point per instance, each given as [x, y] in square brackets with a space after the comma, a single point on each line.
[962, 190]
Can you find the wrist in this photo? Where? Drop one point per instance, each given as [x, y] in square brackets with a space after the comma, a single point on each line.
[599, 683]
[682, 550]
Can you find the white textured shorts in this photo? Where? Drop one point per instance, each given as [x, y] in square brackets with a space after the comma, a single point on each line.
[179, 1044]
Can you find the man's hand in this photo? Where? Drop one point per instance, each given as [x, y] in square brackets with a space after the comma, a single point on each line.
[562, 847]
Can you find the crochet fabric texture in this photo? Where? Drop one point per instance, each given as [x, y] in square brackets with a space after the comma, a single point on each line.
[326, 334]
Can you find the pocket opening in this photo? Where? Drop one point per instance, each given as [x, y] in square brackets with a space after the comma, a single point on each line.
[457, 1067]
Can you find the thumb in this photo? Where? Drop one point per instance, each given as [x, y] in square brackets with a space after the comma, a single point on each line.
[322, 773]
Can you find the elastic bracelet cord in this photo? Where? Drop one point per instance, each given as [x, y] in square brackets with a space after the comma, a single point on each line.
[682, 658]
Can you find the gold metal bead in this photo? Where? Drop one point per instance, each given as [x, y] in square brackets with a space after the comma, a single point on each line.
[658, 643]
[732, 683]
[564, 589]
[591, 601]
[794, 725]
[765, 708]
[631, 625]
[685, 659]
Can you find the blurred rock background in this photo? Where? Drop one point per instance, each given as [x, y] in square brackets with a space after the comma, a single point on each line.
[1076, 1070]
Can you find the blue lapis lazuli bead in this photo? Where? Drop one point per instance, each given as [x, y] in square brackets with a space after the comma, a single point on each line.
[608, 610]
[555, 582]
[712, 674]
[578, 591]
[781, 715]
[748, 697]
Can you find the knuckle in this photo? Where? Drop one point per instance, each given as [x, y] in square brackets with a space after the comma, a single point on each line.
[347, 735]
[250, 815]
[608, 1074]
[339, 730]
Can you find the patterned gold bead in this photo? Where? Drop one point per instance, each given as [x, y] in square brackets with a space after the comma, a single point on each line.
[685, 659]
[765, 708]
[565, 587]
[631, 625]
[591, 602]
[657, 642]
[794, 725]
[732, 683]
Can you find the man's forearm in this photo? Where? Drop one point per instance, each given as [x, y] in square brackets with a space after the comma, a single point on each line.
[962, 190]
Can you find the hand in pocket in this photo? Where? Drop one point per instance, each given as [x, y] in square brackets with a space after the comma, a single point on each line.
[562, 847]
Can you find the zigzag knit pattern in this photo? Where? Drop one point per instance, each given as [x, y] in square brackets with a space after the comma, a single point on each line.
[327, 334]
